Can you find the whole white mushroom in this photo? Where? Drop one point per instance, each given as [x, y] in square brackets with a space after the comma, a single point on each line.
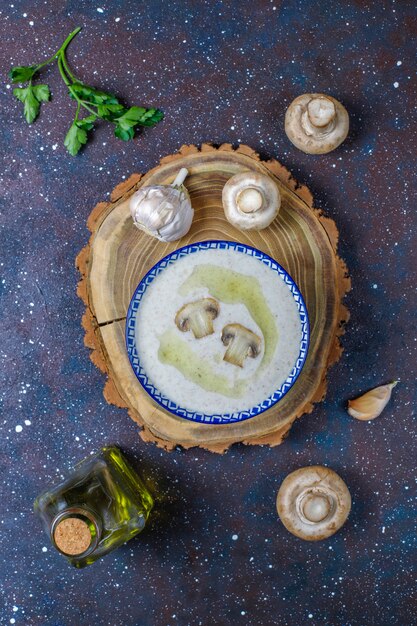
[316, 123]
[251, 200]
[313, 502]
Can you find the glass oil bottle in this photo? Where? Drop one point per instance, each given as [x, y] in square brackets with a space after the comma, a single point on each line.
[102, 504]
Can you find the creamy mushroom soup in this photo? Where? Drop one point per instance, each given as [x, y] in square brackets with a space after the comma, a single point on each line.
[192, 372]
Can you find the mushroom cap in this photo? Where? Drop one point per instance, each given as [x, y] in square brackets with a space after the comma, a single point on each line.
[251, 200]
[313, 502]
[316, 123]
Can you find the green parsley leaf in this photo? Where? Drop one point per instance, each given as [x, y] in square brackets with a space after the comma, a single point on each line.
[22, 73]
[124, 133]
[151, 117]
[110, 112]
[87, 123]
[100, 104]
[92, 95]
[135, 116]
[32, 97]
[76, 137]
[42, 93]
[140, 116]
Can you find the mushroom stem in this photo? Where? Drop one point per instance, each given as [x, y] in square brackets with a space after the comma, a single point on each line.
[180, 177]
[249, 200]
[321, 111]
[236, 352]
[201, 324]
[319, 118]
[314, 506]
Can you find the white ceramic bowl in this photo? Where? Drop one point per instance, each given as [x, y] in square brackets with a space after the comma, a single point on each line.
[187, 407]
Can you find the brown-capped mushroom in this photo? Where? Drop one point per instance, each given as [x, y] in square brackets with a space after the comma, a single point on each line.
[241, 342]
[198, 317]
[251, 200]
[313, 502]
[316, 123]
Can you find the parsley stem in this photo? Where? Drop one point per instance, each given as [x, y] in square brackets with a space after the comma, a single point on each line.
[61, 49]
[82, 102]
[63, 75]
[68, 84]
[67, 69]
[99, 104]
[77, 111]
[68, 40]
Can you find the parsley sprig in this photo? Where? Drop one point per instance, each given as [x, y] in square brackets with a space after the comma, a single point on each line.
[99, 104]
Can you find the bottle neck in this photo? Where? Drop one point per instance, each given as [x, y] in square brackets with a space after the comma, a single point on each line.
[75, 531]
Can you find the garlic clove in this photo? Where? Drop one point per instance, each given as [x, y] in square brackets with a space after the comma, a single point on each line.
[372, 403]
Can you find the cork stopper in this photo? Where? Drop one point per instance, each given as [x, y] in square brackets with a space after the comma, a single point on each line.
[72, 536]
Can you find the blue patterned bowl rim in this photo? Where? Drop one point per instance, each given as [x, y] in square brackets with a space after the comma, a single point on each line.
[222, 418]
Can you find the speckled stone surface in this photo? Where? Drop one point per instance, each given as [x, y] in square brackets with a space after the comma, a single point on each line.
[215, 553]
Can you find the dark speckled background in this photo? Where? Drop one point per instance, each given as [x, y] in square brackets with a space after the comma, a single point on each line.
[215, 552]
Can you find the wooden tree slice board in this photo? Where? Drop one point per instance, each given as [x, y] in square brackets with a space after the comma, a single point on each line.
[118, 255]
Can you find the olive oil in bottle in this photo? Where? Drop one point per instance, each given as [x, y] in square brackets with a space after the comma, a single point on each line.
[102, 504]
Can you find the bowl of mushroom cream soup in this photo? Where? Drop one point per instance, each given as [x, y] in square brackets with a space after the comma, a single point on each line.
[217, 332]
